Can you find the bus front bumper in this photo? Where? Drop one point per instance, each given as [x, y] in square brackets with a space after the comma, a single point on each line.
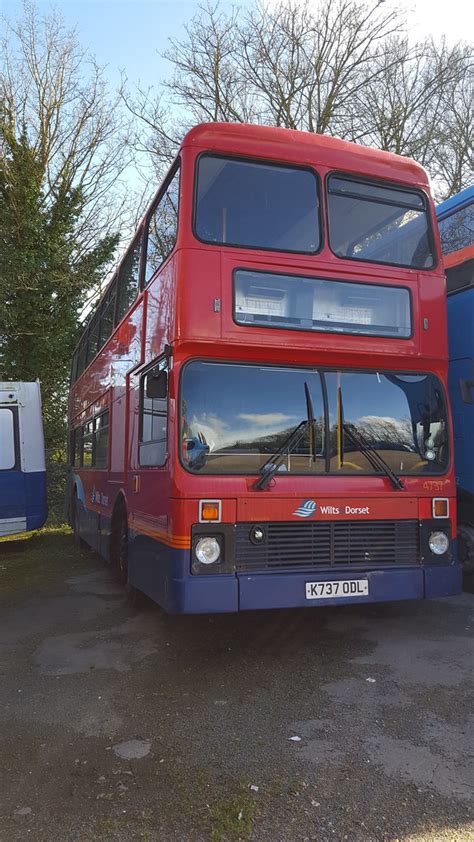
[246, 592]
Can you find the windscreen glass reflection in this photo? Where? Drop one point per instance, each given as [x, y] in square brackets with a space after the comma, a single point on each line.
[233, 417]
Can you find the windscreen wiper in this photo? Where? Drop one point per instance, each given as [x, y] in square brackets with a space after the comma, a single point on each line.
[310, 417]
[372, 455]
[270, 467]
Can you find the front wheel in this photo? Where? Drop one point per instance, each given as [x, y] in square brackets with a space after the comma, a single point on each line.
[466, 548]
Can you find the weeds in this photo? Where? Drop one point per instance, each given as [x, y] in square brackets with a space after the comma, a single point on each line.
[37, 559]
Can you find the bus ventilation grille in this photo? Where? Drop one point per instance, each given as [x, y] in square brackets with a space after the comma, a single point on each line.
[316, 544]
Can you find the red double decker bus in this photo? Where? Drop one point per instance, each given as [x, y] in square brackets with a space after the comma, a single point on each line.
[258, 408]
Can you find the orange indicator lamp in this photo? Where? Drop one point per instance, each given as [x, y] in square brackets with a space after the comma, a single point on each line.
[440, 507]
[210, 511]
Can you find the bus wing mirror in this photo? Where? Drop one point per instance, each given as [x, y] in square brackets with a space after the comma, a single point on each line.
[157, 384]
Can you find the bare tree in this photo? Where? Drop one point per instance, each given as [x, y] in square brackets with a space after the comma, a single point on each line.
[55, 95]
[344, 69]
[454, 164]
[62, 154]
[419, 105]
[307, 67]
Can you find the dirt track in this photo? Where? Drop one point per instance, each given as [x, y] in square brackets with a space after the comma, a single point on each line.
[379, 696]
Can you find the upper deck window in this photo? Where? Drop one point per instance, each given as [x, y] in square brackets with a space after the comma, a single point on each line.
[457, 230]
[128, 280]
[162, 228]
[378, 223]
[256, 205]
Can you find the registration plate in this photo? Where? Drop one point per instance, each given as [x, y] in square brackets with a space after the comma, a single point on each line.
[344, 587]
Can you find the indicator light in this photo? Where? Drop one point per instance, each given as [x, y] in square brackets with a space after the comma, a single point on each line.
[210, 511]
[440, 507]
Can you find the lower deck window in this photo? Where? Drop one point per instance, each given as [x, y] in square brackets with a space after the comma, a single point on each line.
[87, 444]
[101, 449]
[91, 445]
[153, 422]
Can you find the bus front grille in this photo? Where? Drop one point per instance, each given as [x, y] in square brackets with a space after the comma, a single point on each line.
[327, 544]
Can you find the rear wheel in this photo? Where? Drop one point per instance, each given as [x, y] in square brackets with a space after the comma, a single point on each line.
[119, 554]
[75, 522]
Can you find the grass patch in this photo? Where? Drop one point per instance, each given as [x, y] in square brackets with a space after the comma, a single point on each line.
[233, 818]
[39, 558]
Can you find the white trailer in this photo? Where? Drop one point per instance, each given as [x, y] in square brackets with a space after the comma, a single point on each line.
[23, 505]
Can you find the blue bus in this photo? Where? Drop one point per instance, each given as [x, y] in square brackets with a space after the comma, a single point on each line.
[456, 222]
[23, 505]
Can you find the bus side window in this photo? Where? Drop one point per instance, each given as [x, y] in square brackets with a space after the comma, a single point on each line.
[93, 338]
[153, 418]
[101, 440]
[128, 280]
[107, 314]
[74, 366]
[87, 444]
[82, 355]
[162, 228]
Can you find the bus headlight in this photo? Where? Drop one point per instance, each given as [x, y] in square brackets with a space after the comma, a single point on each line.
[207, 550]
[438, 543]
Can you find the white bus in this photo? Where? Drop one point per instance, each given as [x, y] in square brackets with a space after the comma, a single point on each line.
[23, 505]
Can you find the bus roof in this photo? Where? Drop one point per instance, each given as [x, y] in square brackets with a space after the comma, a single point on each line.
[460, 200]
[249, 140]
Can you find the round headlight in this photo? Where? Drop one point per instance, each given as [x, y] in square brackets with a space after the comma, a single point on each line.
[438, 543]
[207, 550]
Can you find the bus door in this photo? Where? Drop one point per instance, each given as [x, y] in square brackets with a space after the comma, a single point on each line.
[149, 482]
[12, 485]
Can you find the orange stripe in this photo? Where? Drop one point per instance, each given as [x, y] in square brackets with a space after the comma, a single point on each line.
[180, 542]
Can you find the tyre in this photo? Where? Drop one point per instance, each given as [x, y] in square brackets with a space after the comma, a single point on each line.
[75, 522]
[466, 547]
[119, 545]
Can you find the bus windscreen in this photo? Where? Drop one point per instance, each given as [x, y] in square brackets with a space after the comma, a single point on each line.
[234, 416]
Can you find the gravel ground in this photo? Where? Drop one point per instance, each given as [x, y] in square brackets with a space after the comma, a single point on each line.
[128, 725]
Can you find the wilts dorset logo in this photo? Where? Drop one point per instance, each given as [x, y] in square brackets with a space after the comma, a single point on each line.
[99, 497]
[307, 508]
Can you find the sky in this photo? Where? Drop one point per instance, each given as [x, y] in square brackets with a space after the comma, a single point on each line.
[124, 35]
[130, 34]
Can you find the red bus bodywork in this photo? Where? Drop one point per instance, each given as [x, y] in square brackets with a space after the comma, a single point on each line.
[186, 311]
